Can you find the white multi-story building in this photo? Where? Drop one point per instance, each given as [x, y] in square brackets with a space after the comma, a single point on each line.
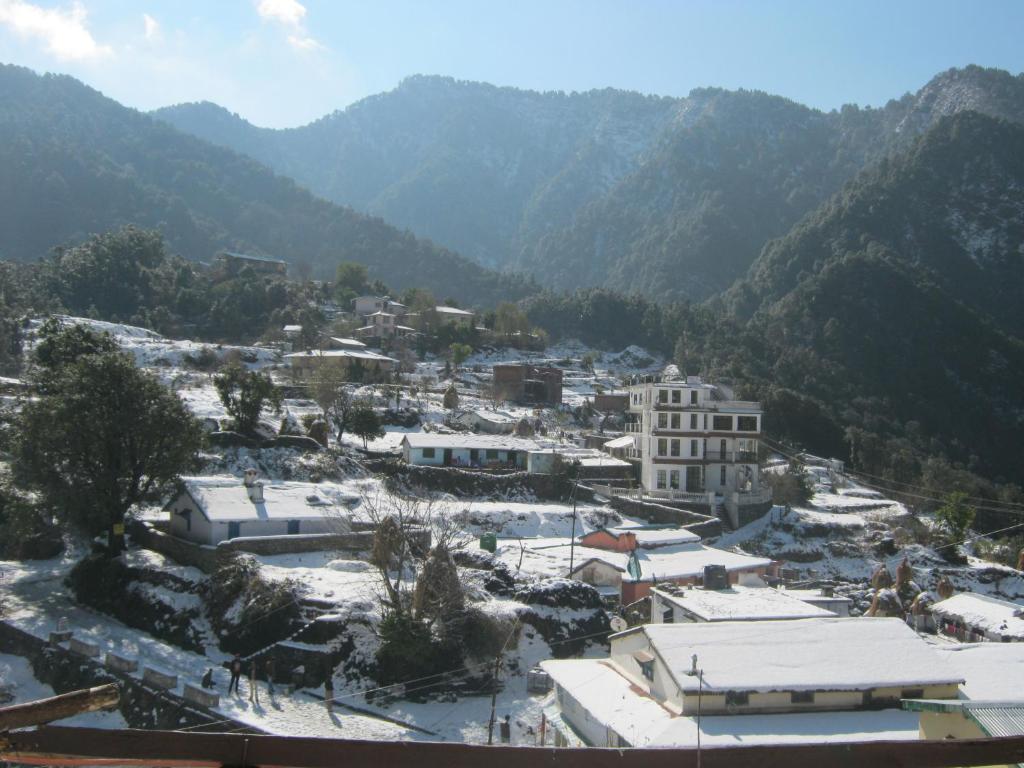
[692, 442]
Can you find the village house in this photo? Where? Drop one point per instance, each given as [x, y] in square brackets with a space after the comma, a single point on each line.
[972, 617]
[362, 306]
[524, 383]
[586, 463]
[212, 509]
[629, 576]
[824, 597]
[466, 450]
[638, 537]
[676, 605]
[612, 402]
[233, 263]
[351, 363]
[691, 442]
[454, 316]
[787, 681]
[383, 325]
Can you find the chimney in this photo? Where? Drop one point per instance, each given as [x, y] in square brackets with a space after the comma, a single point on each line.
[827, 591]
[629, 542]
[253, 486]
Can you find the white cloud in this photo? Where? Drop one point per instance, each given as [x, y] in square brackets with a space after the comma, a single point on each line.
[152, 26]
[304, 43]
[287, 12]
[63, 31]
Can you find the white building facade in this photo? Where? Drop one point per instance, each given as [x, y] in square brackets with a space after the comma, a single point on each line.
[691, 442]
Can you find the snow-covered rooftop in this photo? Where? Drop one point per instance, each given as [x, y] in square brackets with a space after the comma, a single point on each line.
[626, 441]
[223, 498]
[990, 614]
[350, 353]
[814, 596]
[830, 654]
[617, 704]
[452, 311]
[992, 671]
[666, 563]
[346, 342]
[740, 604]
[462, 440]
[657, 537]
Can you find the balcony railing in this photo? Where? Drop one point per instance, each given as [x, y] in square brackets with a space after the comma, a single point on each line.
[742, 456]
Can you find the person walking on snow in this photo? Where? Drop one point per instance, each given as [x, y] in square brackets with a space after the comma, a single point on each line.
[236, 673]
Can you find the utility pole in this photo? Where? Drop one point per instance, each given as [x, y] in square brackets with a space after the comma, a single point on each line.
[572, 541]
[494, 697]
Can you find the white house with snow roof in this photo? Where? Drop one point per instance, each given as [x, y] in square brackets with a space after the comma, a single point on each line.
[209, 510]
[787, 681]
[973, 618]
[466, 450]
[671, 604]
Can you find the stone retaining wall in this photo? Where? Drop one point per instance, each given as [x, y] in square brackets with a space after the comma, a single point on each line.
[703, 525]
[141, 706]
[204, 557]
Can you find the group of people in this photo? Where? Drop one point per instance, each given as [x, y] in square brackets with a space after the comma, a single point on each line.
[236, 668]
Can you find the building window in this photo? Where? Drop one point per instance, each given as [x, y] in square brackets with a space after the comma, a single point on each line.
[802, 697]
[722, 423]
[662, 420]
[693, 421]
[722, 476]
[673, 479]
[491, 454]
[293, 527]
[693, 397]
[647, 669]
[736, 699]
[428, 453]
[695, 448]
[675, 421]
[912, 693]
[663, 396]
[675, 448]
[746, 423]
[677, 396]
[662, 446]
[661, 478]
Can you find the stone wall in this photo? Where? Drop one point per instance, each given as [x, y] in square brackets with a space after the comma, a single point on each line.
[141, 706]
[702, 524]
[463, 482]
[204, 557]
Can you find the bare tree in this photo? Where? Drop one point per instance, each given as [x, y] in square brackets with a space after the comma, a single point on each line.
[328, 390]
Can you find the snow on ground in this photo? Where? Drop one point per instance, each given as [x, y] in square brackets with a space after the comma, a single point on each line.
[18, 685]
[37, 599]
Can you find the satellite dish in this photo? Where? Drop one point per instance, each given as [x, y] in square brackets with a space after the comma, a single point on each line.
[618, 624]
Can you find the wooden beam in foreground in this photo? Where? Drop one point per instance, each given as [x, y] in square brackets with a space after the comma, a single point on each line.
[90, 746]
[59, 707]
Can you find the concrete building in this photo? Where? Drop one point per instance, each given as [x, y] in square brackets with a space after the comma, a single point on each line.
[972, 618]
[466, 450]
[690, 442]
[367, 305]
[372, 366]
[677, 605]
[630, 575]
[455, 316]
[524, 383]
[822, 598]
[211, 509]
[786, 681]
[233, 263]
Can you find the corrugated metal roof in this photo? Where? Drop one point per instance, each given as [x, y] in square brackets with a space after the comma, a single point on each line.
[999, 721]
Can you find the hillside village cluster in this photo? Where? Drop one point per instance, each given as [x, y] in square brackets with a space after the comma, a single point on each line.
[616, 516]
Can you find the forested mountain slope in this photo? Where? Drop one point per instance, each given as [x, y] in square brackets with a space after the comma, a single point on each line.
[73, 162]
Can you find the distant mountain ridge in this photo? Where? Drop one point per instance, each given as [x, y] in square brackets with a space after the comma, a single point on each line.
[672, 198]
[73, 162]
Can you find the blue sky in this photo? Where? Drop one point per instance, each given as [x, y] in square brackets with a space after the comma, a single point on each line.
[286, 62]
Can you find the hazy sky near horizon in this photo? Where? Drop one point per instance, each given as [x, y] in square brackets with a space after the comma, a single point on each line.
[286, 62]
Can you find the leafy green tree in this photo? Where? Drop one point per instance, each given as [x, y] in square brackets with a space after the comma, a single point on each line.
[61, 345]
[245, 394]
[459, 353]
[364, 422]
[956, 515]
[790, 488]
[350, 280]
[101, 437]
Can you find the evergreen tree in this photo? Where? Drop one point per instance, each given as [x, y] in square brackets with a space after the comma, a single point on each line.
[245, 394]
